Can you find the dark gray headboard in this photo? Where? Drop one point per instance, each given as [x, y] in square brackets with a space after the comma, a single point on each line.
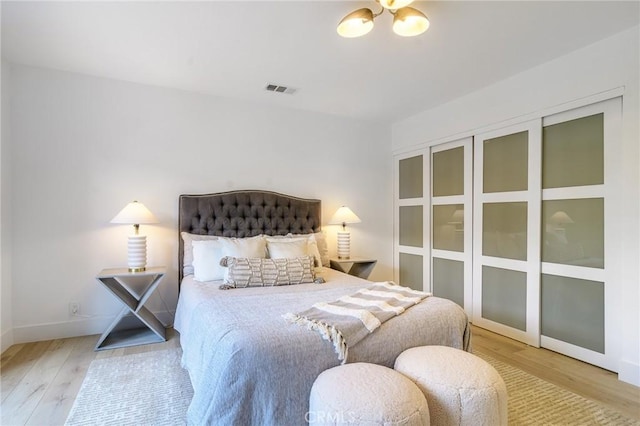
[245, 214]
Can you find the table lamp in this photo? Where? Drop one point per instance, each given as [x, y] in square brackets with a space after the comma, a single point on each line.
[134, 214]
[343, 216]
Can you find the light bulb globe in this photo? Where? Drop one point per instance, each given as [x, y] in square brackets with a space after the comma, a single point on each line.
[356, 24]
[409, 22]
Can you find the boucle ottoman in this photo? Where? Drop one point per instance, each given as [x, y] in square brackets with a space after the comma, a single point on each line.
[461, 389]
[366, 394]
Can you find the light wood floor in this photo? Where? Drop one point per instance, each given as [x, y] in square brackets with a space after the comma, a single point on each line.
[40, 381]
[584, 379]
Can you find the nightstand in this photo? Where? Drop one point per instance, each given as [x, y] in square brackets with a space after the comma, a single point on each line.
[132, 289]
[357, 267]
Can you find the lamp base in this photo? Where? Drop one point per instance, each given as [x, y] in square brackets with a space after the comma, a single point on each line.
[137, 253]
[344, 245]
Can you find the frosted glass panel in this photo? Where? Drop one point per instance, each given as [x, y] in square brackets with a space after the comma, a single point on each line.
[504, 297]
[504, 230]
[573, 153]
[448, 280]
[411, 226]
[448, 172]
[505, 163]
[574, 232]
[448, 227]
[410, 171]
[411, 268]
[573, 311]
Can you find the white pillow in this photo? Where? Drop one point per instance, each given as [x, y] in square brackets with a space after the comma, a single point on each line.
[311, 248]
[287, 248]
[206, 260]
[317, 247]
[187, 258]
[244, 247]
[323, 248]
[314, 250]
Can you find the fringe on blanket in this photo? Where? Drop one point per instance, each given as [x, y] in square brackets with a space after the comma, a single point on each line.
[328, 332]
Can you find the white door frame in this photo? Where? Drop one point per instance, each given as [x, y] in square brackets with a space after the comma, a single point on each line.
[531, 266]
[608, 275]
[467, 200]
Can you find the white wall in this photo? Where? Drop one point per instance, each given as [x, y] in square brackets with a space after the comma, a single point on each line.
[609, 64]
[6, 319]
[83, 147]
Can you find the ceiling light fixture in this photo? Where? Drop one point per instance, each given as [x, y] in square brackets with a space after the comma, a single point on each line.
[407, 21]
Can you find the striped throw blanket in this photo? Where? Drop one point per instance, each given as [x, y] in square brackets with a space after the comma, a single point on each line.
[348, 320]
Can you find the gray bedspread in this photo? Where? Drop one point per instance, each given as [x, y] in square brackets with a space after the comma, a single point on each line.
[248, 366]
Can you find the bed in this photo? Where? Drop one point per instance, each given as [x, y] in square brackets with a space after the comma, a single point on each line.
[249, 366]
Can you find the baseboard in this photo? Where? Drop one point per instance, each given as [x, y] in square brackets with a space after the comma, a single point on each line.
[60, 330]
[72, 328]
[6, 340]
[629, 372]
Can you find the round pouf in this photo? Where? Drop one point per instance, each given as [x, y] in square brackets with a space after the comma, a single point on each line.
[461, 389]
[366, 394]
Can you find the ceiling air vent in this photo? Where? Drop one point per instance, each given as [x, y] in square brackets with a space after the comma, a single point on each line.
[270, 87]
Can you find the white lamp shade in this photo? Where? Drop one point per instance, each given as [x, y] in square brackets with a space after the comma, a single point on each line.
[343, 216]
[134, 213]
[409, 22]
[561, 218]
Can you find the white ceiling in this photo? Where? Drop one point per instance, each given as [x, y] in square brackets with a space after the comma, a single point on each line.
[233, 48]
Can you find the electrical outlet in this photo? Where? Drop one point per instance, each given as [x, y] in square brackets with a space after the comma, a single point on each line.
[74, 308]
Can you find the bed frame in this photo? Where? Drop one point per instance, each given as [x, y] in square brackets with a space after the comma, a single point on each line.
[245, 214]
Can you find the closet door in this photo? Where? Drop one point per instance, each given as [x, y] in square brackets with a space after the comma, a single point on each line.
[506, 248]
[451, 218]
[577, 292]
[411, 235]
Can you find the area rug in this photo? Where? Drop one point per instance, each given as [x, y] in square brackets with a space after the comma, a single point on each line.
[533, 401]
[152, 389]
[141, 389]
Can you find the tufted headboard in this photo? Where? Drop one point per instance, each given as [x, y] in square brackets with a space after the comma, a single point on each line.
[245, 214]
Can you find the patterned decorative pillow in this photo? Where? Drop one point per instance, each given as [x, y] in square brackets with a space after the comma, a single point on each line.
[260, 272]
